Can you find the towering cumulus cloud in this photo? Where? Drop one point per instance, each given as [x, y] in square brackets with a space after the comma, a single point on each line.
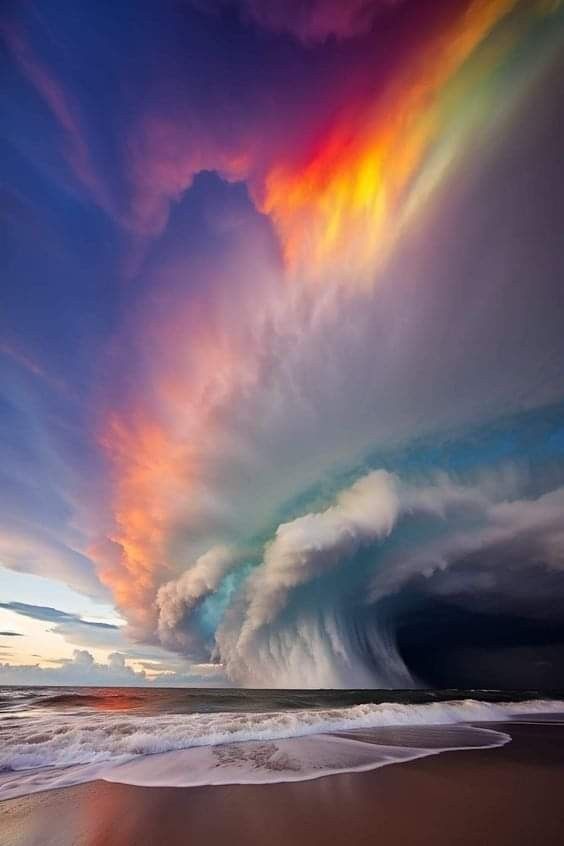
[327, 413]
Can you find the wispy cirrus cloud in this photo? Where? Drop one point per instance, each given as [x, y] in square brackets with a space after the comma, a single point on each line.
[64, 110]
[72, 627]
[52, 615]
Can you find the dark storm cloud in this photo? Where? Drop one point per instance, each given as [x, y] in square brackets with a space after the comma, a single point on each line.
[448, 645]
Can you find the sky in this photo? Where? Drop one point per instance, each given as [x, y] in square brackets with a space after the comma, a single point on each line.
[282, 343]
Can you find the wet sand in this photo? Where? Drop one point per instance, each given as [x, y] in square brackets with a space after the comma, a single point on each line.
[505, 797]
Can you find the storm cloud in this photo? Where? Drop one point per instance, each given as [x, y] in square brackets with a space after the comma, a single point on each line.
[286, 386]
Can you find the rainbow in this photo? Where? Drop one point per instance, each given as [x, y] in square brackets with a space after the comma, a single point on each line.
[340, 210]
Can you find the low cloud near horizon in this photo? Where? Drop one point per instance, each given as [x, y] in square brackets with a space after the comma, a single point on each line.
[83, 670]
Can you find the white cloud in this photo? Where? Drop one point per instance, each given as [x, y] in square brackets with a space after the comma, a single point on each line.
[315, 543]
[83, 670]
[177, 598]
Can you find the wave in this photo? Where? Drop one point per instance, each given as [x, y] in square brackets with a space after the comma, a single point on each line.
[73, 699]
[90, 700]
[293, 759]
[52, 750]
[105, 699]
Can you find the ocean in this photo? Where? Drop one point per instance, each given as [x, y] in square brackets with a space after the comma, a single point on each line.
[52, 737]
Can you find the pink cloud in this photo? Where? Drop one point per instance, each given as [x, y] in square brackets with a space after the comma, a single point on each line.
[313, 21]
[163, 156]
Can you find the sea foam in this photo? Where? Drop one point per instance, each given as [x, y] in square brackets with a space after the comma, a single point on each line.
[56, 749]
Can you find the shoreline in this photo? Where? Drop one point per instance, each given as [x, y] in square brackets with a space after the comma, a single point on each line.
[507, 795]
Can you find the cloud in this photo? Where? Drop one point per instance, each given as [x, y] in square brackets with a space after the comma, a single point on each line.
[312, 610]
[41, 527]
[177, 599]
[31, 365]
[228, 416]
[53, 615]
[33, 549]
[74, 629]
[315, 543]
[11, 634]
[244, 416]
[511, 558]
[63, 109]
[82, 669]
[274, 627]
[301, 552]
[313, 21]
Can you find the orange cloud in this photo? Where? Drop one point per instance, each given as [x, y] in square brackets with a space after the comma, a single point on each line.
[157, 459]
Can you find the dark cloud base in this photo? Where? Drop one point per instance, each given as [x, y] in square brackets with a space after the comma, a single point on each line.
[445, 646]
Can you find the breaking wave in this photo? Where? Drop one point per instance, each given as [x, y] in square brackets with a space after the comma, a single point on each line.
[55, 749]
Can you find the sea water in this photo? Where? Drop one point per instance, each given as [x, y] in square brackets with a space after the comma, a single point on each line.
[54, 737]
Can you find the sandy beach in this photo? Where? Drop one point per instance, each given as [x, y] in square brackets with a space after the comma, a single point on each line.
[506, 796]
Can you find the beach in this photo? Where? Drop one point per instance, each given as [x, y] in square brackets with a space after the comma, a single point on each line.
[504, 796]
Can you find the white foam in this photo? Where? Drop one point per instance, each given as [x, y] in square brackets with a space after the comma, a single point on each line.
[271, 762]
[54, 749]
